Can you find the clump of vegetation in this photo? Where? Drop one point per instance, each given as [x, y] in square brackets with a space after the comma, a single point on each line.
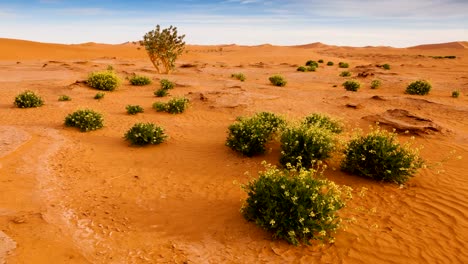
[86, 120]
[64, 98]
[163, 47]
[295, 205]
[444, 57]
[161, 92]
[134, 109]
[103, 80]
[351, 85]
[386, 66]
[99, 96]
[238, 76]
[28, 99]
[320, 61]
[166, 84]
[375, 84]
[250, 135]
[312, 63]
[420, 87]
[455, 94]
[379, 156]
[145, 133]
[324, 121]
[302, 145]
[278, 80]
[311, 68]
[302, 68]
[174, 106]
[139, 80]
[330, 63]
[343, 65]
[345, 74]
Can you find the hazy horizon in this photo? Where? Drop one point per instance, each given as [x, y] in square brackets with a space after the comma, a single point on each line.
[245, 22]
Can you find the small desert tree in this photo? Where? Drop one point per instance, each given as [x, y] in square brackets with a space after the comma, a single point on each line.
[163, 47]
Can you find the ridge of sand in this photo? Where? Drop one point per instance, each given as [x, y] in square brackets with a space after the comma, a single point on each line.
[448, 45]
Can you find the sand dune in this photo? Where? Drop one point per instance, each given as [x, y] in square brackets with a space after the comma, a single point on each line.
[449, 45]
[76, 197]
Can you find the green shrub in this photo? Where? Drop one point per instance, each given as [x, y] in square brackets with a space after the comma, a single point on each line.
[302, 68]
[138, 80]
[379, 156]
[277, 80]
[351, 85]
[28, 99]
[311, 68]
[343, 65]
[330, 63]
[345, 74]
[375, 84]
[134, 109]
[104, 80]
[455, 94]
[145, 133]
[386, 66]
[320, 61]
[64, 98]
[249, 135]
[85, 120]
[174, 106]
[161, 92]
[99, 96]
[324, 121]
[166, 84]
[238, 76]
[301, 145]
[295, 205]
[312, 63]
[420, 87]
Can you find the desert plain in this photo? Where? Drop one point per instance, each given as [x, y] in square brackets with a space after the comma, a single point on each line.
[73, 197]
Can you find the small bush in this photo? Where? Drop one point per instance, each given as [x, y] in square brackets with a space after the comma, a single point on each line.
[324, 121]
[99, 96]
[174, 106]
[343, 65]
[312, 63]
[320, 61]
[455, 94]
[420, 87]
[375, 84]
[277, 80]
[64, 98]
[311, 68]
[103, 80]
[351, 85]
[160, 107]
[85, 120]
[295, 205]
[249, 135]
[145, 133]
[238, 76]
[161, 92]
[134, 109]
[301, 145]
[379, 156]
[302, 68]
[345, 74]
[330, 63]
[28, 99]
[166, 84]
[138, 80]
[386, 66]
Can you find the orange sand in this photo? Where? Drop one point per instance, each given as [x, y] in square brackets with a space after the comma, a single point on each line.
[71, 197]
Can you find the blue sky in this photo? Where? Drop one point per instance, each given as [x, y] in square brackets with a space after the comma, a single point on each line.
[398, 23]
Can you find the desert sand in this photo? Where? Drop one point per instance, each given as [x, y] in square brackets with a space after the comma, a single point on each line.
[72, 197]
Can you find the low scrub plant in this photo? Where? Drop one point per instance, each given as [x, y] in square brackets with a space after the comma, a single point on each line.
[64, 98]
[139, 80]
[278, 80]
[145, 133]
[320, 61]
[239, 76]
[386, 66]
[173, 106]
[302, 145]
[312, 63]
[86, 120]
[311, 68]
[302, 68]
[99, 96]
[378, 155]
[250, 135]
[296, 205]
[28, 99]
[455, 94]
[345, 74]
[166, 84]
[103, 80]
[134, 109]
[330, 63]
[161, 92]
[351, 85]
[343, 65]
[375, 84]
[420, 87]
[324, 121]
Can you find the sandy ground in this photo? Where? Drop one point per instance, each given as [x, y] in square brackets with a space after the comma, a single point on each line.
[71, 197]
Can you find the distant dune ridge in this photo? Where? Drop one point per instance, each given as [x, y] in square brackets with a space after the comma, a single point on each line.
[448, 45]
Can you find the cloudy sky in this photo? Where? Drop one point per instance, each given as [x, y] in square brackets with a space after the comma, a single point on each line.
[398, 23]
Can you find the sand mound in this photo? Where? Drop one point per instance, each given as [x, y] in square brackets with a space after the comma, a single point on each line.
[448, 45]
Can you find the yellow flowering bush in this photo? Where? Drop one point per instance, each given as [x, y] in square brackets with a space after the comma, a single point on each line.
[28, 99]
[134, 109]
[86, 120]
[322, 120]
[420, 87]
[145, 133]
[378, 155]
[295, 205]
[103, 80]
[139, 80]
[174, 106]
